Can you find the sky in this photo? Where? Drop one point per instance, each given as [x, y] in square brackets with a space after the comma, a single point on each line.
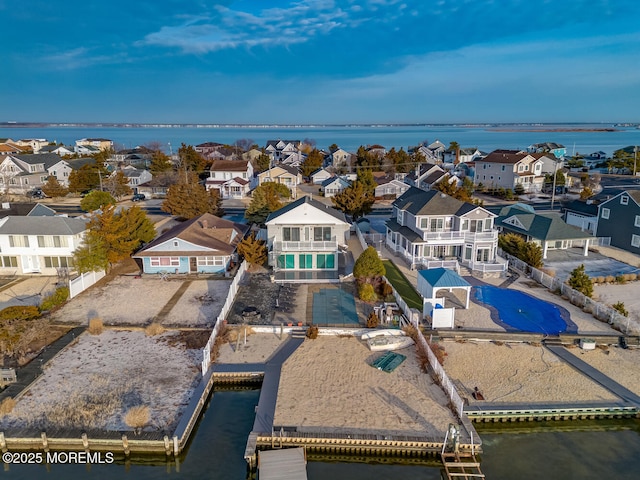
[320, 61]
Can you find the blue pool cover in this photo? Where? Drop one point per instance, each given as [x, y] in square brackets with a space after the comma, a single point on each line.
[334, 307]
[518, 311]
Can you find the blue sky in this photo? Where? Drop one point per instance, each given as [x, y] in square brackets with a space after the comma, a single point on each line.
[320, 61]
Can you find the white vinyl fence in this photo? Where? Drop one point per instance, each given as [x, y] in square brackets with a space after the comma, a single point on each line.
[84, 281]
[233, 289]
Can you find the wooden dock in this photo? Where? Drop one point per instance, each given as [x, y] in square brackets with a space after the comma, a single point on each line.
[461, 466]
[285, 464]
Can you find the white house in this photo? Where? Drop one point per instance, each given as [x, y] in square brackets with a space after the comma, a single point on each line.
[304, 237]
[99, 143]
[232, 178]
[35, 144]
[340, 158]
[278, 150]
[334, 185]
[22, 173]
[136, 177]
[425, 176]
[509, 168]
[320, 176]
[39, 244]
[464, 155]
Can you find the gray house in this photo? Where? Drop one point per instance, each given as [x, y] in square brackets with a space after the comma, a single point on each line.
[619, 218]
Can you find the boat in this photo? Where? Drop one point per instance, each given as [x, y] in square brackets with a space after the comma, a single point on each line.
[385, 340]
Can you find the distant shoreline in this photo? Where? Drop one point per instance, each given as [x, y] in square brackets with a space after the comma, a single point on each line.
[555, 130]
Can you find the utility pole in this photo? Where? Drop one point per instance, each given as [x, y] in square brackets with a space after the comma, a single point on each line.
[553, 191]
[635, 160]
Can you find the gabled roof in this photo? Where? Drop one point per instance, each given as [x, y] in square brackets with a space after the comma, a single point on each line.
[26, 209]
[432, 202]
[48, 159]
[45, 225]
[309, 201]
[538, 225]
[503, 156]
[331, 180]
[77, 163]
[443, 278]
[207, 231]
[580, 206]
[634, 194]
[229, 166]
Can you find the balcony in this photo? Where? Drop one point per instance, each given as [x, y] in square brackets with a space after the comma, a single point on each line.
[306, 246]
[460, 236]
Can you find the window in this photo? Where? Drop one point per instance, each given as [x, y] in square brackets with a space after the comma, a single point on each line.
[52, 241]
[56, 262]
[635, 241]
[290, 234]
[210, 261]
[605, 213]
[465, 224]
[18, 241]
[624, 200]
[637, 223]
[503, 168]
[437, 224]
[165, 261]
[424, 222]
[175, 243]
[322, 234]
[8, 262]
[325, 261]
[305, 260]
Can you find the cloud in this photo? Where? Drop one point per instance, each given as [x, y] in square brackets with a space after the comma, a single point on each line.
[83, 57]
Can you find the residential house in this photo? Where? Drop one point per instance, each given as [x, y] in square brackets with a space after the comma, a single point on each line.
[39, 244]
[389, 187]
[25, 210]
[319, 176]
[431, 229]
[9, 148]
[339, 159]
[136, 177]
[232, 178]
[619, 218]
[582, 214]
[547, 230]
[252, 154]
[279, 150]
[57, 149]
[206, 148]
[204, 244]
[137, 157]
[100, 143]
[377, 151]
[289, 176]
[508, 168]
[86, 150]
[555, 149]
[304, 240]
[334, 185]
[57, 167]
[34, 144]
[22, 173]
[594, 159]
[425, 176]
[464, 155]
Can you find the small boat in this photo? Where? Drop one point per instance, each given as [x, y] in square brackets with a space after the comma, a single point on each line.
[384, 340]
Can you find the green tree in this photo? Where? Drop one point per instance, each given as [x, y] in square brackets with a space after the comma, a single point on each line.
[254, 251]
[312, 163]
[96, 200]
[160, 163]
[117, 185]
[561, 179]
[88, 177]
[262, 162]
[586, 193]
[519, 189]
[265, 199]
[365, 176]
[451, 188]
[52, 188]
[187, 198]
[619, 306]
[580, 281]
[354, 200]
[368, 266]
[455, 147]
[531, 253]
[136, 226]
[190, 159]
[91, 256]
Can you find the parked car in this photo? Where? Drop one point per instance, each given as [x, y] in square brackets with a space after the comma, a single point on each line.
[37, 193]
[138, 197]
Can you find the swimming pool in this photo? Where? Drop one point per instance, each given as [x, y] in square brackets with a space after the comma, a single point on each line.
[517, 311]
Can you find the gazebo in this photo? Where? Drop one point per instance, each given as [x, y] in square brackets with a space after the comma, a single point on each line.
[434, 279]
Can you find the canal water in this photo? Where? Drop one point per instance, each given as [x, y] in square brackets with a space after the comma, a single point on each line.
[565, 451]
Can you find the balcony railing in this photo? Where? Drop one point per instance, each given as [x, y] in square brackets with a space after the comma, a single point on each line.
[499, 265]
[460, 235]
[306, 246]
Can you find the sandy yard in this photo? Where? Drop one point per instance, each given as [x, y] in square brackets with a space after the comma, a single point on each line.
[517, 373]
[127, 300]
[27, 291]
[329, 385]
[94, 381]
[617, 363]
[258, 348]
[628, 293]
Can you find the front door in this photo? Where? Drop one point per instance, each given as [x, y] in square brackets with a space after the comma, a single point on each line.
[193, 264]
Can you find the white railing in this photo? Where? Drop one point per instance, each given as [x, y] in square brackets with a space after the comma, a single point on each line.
[479, 236]
[83, 282]
[443, 235]
[319, 246]
[500, 265]
[361, 239]
[233, 289]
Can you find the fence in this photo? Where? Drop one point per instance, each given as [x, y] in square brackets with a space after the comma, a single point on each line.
[84, 281]
[363, 242]
[599, 311]
[233, 289]
[412, 314]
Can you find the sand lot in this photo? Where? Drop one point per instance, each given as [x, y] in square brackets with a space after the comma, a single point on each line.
[622, 366]
[28, 291]
[628, 293]
[94, 381]
[127, 300]
[517, 373]
[329, 385]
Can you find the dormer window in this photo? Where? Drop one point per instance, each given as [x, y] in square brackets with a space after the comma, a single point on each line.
[624, 200]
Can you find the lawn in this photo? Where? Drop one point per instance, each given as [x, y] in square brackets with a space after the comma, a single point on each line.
[402, 285]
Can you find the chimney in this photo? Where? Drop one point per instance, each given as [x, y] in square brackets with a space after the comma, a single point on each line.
[205, 223]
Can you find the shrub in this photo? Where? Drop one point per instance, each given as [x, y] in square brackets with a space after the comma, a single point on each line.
[368, 265]
[519, 189]
[54, 300]
[19, 312]
[621, 279]
[6, 406]
[619, 306]
[137, 417]
[600, 279]
[96, 327]
[387, 290]
[372, 320]
[610, 279]
[154, 329]
[312, 332]
[580, 281]
[367, 293]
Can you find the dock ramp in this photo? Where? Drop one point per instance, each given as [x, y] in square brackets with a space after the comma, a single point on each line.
[285, 464]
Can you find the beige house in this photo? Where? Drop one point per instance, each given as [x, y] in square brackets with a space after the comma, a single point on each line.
[508, 168]
[285, 174]
[100, 143]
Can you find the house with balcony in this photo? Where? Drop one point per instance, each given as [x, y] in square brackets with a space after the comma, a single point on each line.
[555, 149]
[284, 174]
[430, 229]
[39, 244]
[279, 150]
[508, 168]
[304, 239]
[22, 173]
[232, 178]
[101, 144]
